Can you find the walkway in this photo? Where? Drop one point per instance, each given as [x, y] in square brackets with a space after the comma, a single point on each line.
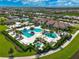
[50, 52]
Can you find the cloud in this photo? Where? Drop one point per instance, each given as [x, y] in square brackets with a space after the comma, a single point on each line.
[8, 0]
[46, 3]
[50, 3]
[34, 0]
[75, 1]
[16, 0]
[12, 0]
[65, 3]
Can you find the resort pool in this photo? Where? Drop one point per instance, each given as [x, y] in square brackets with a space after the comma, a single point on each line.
[25, 33]
[51, 35]
[28, 33]
[37, 29]
[38, 44]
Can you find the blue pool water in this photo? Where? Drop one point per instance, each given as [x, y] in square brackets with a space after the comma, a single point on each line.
[51, 35]
[28, 34]
[38, 44]
[37, 30]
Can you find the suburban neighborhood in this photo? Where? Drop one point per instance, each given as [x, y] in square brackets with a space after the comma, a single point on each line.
[38, 31]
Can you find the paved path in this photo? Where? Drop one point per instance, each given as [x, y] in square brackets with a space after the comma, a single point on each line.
[50, 52]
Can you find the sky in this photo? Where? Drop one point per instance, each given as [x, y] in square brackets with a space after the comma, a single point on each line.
[40, 3]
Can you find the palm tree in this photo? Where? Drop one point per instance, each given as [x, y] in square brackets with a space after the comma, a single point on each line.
[47, 47]
[30, 47]
[52, 30]
[2, 19]
[11, 51]
[11, 55]
[32, 28]
[44, 26]
[19, 32]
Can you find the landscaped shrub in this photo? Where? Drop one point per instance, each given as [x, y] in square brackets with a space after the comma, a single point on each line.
[18, 49]
[5, 33]
[62, 41]
[46, 48]
[7, 23]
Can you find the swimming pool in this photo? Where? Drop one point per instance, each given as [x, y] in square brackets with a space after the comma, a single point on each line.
[27, 32]
[37, 29]
[38, 44]
[51, 35]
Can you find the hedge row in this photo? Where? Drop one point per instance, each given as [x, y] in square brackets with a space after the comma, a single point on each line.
[7, 23]
[62, 41]
[24, 48]
[5, 33]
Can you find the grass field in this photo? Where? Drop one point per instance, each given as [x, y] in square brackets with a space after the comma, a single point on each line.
[5, 46]
[67, 52]
[3, 27]
[71, 14]
[75, 28]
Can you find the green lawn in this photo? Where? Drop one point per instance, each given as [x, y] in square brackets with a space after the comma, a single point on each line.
[77, 26]
[67, 52]
[3, 27]
[73, 29]
[71, 14]
[5, 46]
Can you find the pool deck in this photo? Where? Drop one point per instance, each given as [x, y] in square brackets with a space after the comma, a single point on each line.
[29, 40]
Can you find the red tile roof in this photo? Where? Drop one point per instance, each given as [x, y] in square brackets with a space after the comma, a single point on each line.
[54, 23]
